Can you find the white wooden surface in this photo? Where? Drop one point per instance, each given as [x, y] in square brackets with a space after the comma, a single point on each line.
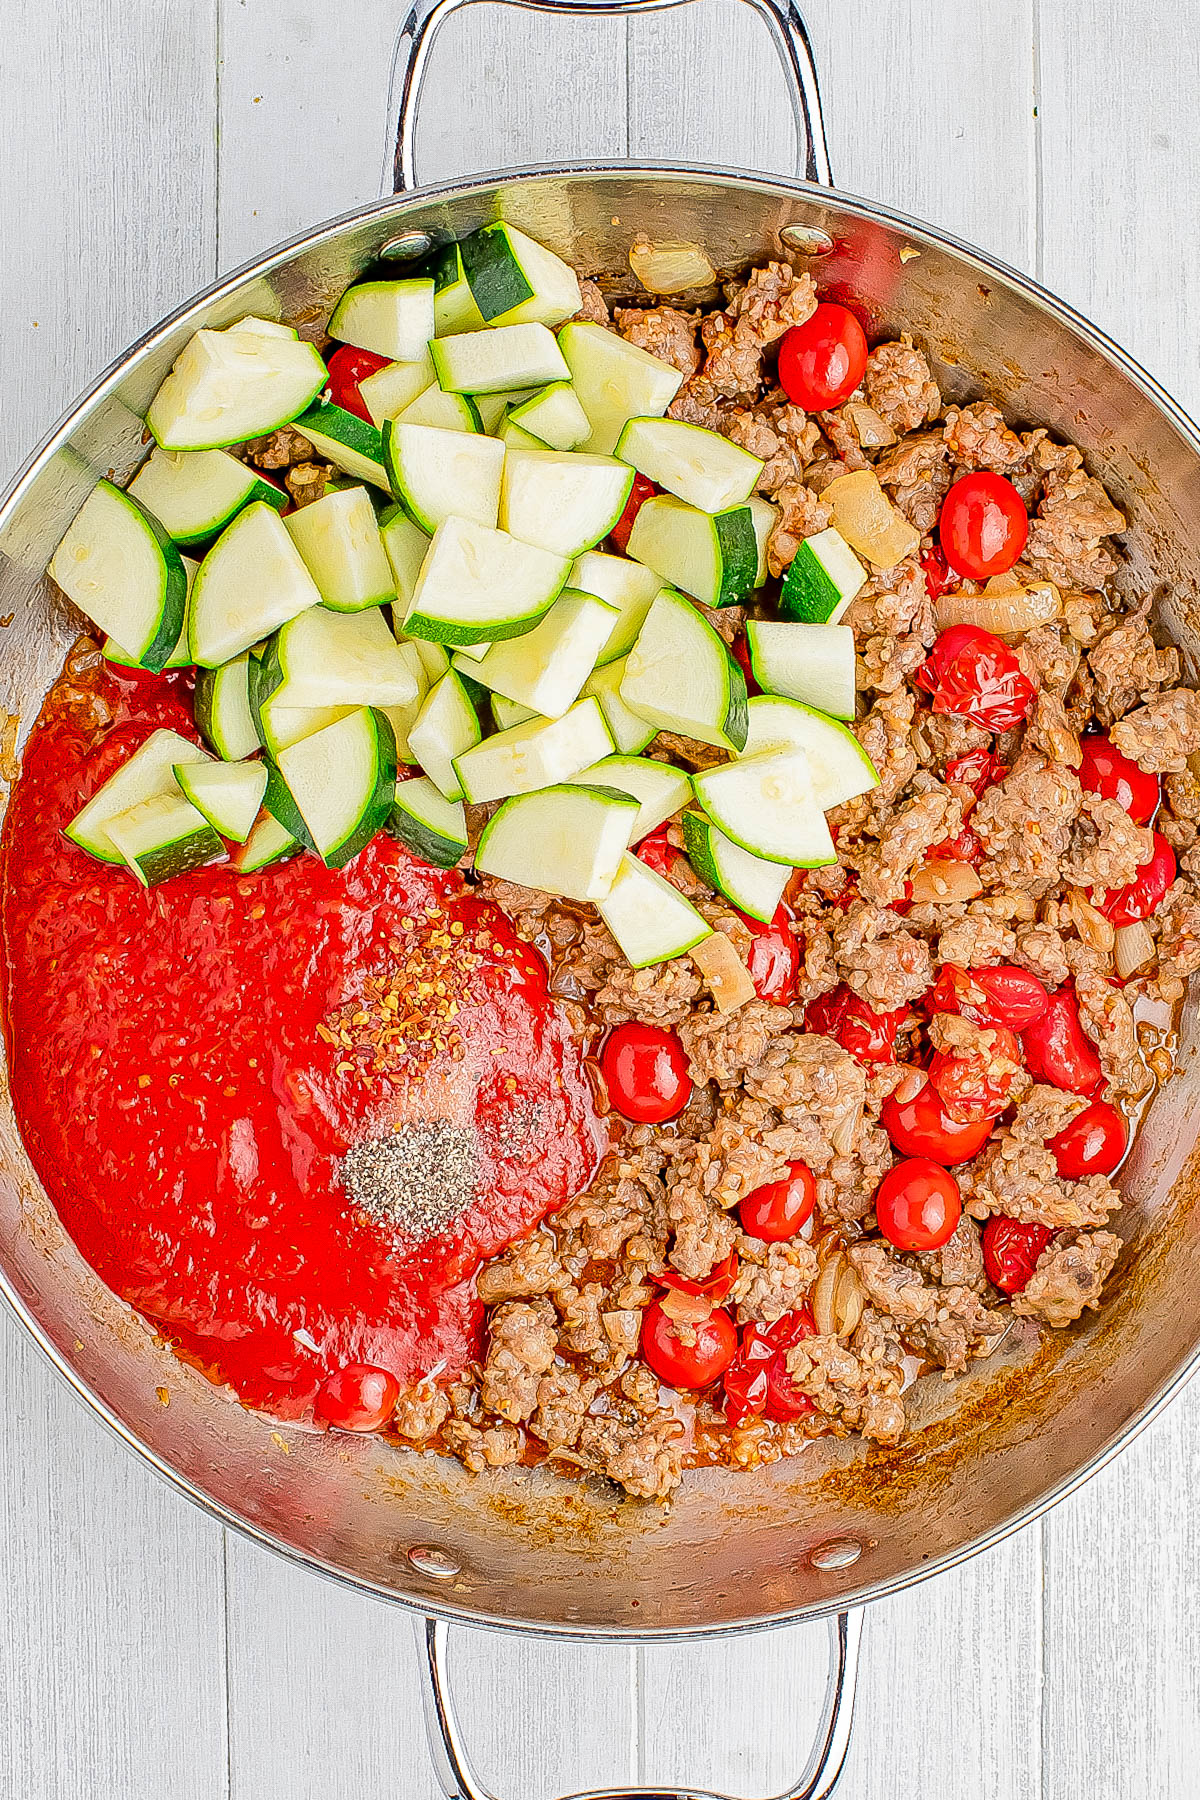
[144, 146]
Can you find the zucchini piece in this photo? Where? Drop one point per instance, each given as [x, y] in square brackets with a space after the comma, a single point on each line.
[630, 732]
[405, 545]
[338, 538]
[269, 842]
[660, 789]
[390, 318]
[649, 918]
[222, 709]
[194, 493]
[433, 827]
[822, 580]
[479, 584]
[555, 416]
[546, 668]
[266, 327]
[812, 663]
[534, 755]
[436, 474]
[507, 713]
[711, 556]
[351, 444]
[433, 660]
[181, 655]
[629, 586]
[454, 309]
[228, 794]
[227, 386]
[762, 516]
[680, 676]
[696, 465]
[448, 412]
[342, 781]
[513, 279]
[839, 766]
[767, 805]
[278, 722]
[492, 408]
[252, 580]
[614, 381]
[342, 659]
[164, 836]
[567, 841]
[388, 392]
[403, 718]
[118, 565]
[491, 362]
[149, 773]
[561, 500]
[446, 726]
[515, 437]
[753, 884]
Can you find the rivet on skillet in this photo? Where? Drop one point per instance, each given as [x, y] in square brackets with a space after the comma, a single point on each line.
[427, 1559]
[809, 240]
[407, 247]
[838, 1553]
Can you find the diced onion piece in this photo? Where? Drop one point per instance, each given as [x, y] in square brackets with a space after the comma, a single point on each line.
[870, 428]
[1133, 948]
[848, 1300]
[1005, 606]
[909, 1085]
[824, 1295]
[670, 268]
[686, 1309]
[1090, 923]
[943, 880]
[726, 974]
[868, 521]
[843, 1133]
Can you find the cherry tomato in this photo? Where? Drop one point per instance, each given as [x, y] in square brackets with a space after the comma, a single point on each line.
[641, 491]
[714, 1287]
[1011, 1250]
[923, 1127]
[918, 1205]
[347, 368]
[741, 656]
[977, 770]
[646, 1072]
[1093, 1143]
[983, 525]
[774, 957]
[785, 1401]
[966, 847]
[357, 1397]
[1105, 771]
[747, 1380]
[1058, 1050]
[974, 674]
[869, 1036]
[938, 574]
[1001, 996]
[822, 361]
[976, 1086]
[779, 1209]
[684, 1365]
[658, 853]
[759, 1369]
[1142, 896]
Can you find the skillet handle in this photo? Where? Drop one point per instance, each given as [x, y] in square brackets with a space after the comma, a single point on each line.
[458, 1780]
[425, 18]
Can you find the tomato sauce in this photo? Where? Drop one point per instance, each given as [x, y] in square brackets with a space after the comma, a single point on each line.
[190, 1063]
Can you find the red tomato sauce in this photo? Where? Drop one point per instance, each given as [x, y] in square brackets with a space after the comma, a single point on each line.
[187, 1072]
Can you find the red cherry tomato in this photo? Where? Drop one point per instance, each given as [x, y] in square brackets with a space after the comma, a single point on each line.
[684, 1365]
[966, 847]
[977, 770]
[747, 1380]
[646, 1072]
[923, 1127]
[759, 1369]
[1011, 1250]
[658, 853]
[977, 1086]
[641, 491]
[822, 361]
[1105, 771]
[1092, 1144]
[714, 1287]
[774, 957]
[983, 525]
[1058, 1050]
[1144, 894]
[779, 1209]
[938, 574]
[869, 1036]
[741, 656]
[347, 368]
[357, 1397]
[785, 1401]
[918, 1205]
[974, 674]
[1001, 996]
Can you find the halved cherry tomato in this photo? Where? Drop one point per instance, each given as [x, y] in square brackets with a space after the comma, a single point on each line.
[977, 770]
[1104, 770]
[641, 491]
[773, 959]
[1142, 896]
[785, 1401]
[938, 574]
[1000, 996]
[983, 525]
[646, 1072]
[923, 1127]
[684, 1365]
[759, 1367]
[348, 367]
[779, 1209]
[868, 1035]
[966, 847]
[1058, 1050]
[1010, 1251]
[918, 1205]
[822, 361]
[1093, 1143]
[741, 656]
[977, 1085]
[714, 1287]
[974, 674]
[658, 853]
[357, 1397]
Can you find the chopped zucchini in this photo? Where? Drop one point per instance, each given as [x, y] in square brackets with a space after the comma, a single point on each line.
[489, 362]
[163, 837]
[680, 676]
[660, 789]
[343, 659]
[767, 805]
[194, 493]
[562, 500]
[513, 279]
[446, 726]
[342, 781]
[822, 580]
[699, 466]
[391, 390]
[534, 755]
[614, 381]
[392, 318]
[712, 556]
[222, 709]
[427, 823]
[479, 584]
[438, 474]
[755, 885]
[228, 794]
[555, 416]
[629, 586]
[839, 766]
[348, 442]
[630, 732]
[119, 566]
[812, 663]
[568, 841]
[546, 668]
[252, 580]
[149, 774]
[650, 919]
[338, 538]
[227, 386]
